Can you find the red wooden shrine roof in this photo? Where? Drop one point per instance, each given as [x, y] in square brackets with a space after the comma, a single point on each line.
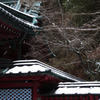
[34, 70]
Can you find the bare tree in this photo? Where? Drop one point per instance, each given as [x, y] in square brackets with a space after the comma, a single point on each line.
[78, 42]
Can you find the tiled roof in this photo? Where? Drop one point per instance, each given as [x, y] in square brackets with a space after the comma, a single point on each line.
[71, 88]
[5, 11]
[34, 66]
[19, 29]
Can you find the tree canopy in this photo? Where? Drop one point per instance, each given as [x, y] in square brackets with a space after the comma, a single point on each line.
[72, 30]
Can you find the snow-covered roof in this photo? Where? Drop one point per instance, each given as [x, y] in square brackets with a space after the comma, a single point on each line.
[78, 88]
[26, 69]
[33, 66]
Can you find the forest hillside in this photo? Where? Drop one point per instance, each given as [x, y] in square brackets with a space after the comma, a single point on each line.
[72, 30]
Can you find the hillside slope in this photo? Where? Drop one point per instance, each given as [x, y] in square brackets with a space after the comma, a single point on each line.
[73, 36]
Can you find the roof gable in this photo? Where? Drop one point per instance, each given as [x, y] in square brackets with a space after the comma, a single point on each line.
[35, 66]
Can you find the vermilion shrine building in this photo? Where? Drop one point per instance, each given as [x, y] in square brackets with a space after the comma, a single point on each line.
[32, 79]
[20, 23]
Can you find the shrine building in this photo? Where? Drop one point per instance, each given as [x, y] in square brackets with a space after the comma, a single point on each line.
[30, 80]
[24, 79]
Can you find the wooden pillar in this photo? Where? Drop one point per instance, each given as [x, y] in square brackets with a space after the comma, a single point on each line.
[20, 39]
[35, 87]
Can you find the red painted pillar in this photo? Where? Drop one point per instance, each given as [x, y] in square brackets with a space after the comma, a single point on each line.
[91, 97]
[96, 97]
[65, 98]
[34, 94]
[76, 97]
[81, 98]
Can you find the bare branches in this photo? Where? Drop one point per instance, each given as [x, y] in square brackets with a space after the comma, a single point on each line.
[71, 28]
[62, 31]
[87, 14]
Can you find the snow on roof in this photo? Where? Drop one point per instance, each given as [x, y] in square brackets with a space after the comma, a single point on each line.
[78, 88]
[81, 84]
[26, 69]
[25, 66]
